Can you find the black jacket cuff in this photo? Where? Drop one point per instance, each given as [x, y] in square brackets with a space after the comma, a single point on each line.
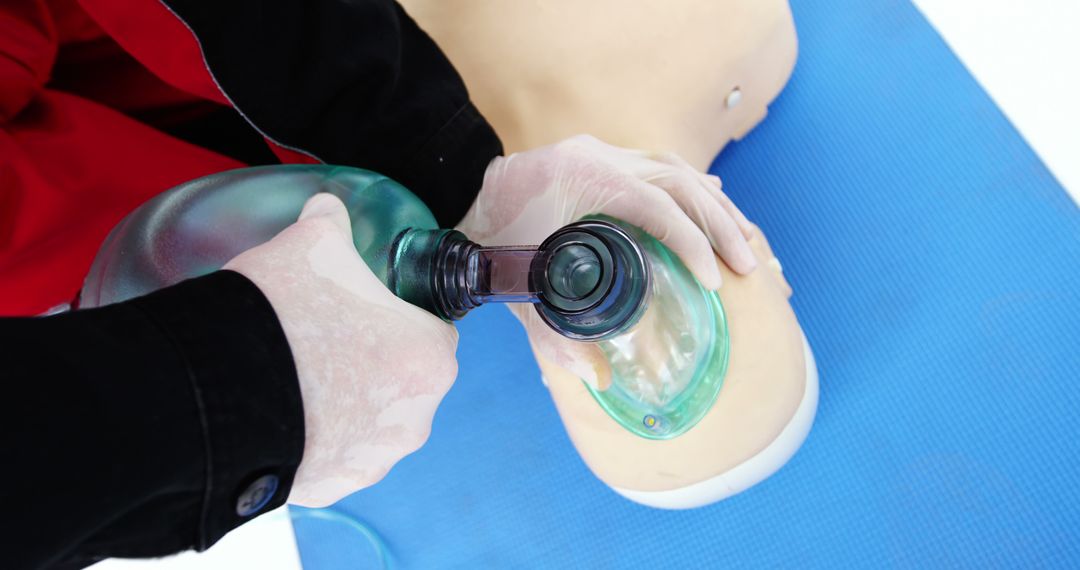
[138, 428]
[245, 389]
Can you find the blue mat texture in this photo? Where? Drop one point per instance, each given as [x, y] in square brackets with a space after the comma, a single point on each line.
[936, 266]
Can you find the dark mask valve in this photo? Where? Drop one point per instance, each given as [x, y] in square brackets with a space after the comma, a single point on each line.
[593, 281]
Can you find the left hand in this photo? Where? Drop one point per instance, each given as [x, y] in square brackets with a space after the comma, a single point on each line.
[527, 196]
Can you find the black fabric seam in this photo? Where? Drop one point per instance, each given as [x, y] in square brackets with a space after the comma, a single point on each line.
[200, 539]
[423, 149]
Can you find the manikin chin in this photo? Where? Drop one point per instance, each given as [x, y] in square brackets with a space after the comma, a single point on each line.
[686, 76]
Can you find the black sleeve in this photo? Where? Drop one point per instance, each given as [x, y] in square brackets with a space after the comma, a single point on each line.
[352, 82]
[146, 427]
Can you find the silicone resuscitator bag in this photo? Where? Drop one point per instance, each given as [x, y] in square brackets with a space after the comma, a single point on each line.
[597, 280]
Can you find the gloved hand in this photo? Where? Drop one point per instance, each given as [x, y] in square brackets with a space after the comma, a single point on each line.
[527, 196]
[372, 367]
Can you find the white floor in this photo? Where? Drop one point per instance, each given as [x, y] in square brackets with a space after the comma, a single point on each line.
[266, 543]
[1026, 54]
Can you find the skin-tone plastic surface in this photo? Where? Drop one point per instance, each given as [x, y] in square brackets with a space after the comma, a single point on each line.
[763, 387]
[685, 76]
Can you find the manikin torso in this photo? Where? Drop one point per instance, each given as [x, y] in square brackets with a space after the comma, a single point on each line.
[666, 75]
[649, 74]
[763, 387]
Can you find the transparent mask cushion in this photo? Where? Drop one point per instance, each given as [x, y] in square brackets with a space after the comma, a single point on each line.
[667, 370]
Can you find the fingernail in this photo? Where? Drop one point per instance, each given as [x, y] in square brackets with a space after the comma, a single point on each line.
[750, 259]
[586, 373]
[603, 382]
[717, 279]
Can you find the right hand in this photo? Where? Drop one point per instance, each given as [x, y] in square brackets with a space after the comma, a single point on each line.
[372, 368]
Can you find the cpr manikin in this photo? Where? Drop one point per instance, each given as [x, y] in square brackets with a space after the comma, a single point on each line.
[685, 76]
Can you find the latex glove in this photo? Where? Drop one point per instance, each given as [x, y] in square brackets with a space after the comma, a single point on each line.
[372, 368]
[527, 196]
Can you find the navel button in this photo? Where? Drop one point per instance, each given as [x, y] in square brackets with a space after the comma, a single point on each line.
[733, 99]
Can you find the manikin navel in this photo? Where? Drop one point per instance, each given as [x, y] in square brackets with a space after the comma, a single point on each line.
[686, 76]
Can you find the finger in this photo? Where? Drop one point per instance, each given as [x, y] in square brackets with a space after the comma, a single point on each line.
[655, 211]
[690, 192]
[582, 359]
[330, 207]
[713, 185]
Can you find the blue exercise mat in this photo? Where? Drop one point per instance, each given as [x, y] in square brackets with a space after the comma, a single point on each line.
[935, 263]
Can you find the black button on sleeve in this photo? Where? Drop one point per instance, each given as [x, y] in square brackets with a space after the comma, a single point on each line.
[257, 495]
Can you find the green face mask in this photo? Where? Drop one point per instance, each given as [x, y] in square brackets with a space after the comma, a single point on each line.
[668, 368]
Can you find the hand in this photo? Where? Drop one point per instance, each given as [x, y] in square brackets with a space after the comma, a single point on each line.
[527, 196]
[372, 367]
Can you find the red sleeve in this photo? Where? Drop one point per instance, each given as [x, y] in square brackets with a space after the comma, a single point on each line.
[28, 47]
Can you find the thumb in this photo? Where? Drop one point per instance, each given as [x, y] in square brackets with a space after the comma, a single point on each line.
[330, 207]
[582, 359]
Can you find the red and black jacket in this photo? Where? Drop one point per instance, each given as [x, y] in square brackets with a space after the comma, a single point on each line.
[132, 430]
